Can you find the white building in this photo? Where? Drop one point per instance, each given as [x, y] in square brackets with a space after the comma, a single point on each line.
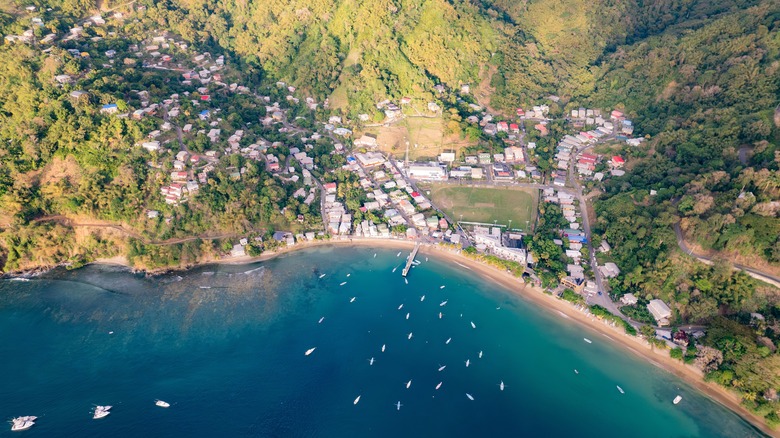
[427, 172]
[661, 312]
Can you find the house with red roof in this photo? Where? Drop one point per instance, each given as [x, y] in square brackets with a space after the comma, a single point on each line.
[502, 127]
[617, 161]
[514, 128]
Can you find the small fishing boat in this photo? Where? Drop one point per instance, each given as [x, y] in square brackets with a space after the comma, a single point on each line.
[576, 372]
[399, 254]
[395, 268]
[443, 303]
[587, 340]
[469, 396]
[352, 300]
[468, 361]
[410, 336]
[371, 361]
[406, 281]
[356, 400]
[447, 341]
[472, 325]
[322, 275]
[442, 287]
[407, 316]
[422, 298]
[101, 411]
[408, 384]
[400, 307]
[440, 315]
[374, 255]
[439, 385]
[162, 404]
[348, 275]
[321, 319]
[480, 354]
[310, 351]
[398, 406]
[383, 348]
[442, 367]
[501, 385]
[621, 390]
[677, 399]
[343, 283]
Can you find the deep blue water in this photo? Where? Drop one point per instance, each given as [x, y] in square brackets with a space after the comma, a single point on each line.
[230, 359]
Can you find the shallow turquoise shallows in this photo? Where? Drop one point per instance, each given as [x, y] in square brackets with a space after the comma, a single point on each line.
[224, 345]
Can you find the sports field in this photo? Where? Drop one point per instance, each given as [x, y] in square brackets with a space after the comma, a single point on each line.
[481, 204]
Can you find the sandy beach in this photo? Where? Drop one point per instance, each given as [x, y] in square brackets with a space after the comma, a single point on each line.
[557, 307]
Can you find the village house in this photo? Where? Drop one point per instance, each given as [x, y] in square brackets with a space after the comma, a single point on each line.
[660, 311]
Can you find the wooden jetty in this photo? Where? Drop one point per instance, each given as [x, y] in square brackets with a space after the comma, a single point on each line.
[410, 259]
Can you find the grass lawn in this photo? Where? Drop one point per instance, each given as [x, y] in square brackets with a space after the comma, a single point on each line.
[481, 204]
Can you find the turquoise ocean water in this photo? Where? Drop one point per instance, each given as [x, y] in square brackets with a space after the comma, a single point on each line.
[225, 346]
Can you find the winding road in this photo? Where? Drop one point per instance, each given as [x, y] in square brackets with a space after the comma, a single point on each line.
[755, 273]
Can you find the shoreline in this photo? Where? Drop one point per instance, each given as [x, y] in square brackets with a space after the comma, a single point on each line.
[532, 294]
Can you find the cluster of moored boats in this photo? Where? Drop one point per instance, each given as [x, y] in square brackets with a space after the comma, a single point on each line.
[24, 423]
[501, 385]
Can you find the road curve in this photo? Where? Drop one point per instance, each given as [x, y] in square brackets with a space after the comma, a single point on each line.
[755, 273]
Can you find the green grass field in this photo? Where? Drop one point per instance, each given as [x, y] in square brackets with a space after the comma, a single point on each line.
[478, 204]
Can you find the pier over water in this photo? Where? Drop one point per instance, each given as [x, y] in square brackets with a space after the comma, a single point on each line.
[410, 259]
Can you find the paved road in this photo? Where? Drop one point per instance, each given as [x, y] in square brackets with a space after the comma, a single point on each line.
[755, 273]
[603, 300]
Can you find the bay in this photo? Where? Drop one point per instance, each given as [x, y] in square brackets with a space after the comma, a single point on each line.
[224, 344]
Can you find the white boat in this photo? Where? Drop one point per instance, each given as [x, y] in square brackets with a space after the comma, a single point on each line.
[322, 275]
[383, 348]
[101, 411]
[621, 390]
[439, 315]
[406, 281]
[321, 319]
[480, 354]
[587, 340]
[576, 372]
[400, 307]
[19, 279]
[439, 385]
[348, 275]
[472, 325]
[442, 287]
[468, 361]
[398, 406]
[310, 351]
[205, 287]
[407, 316]
[447, 341]
[374, 255]
[356, 400]
[111, 332]
[371, 361]
[501, 385]
[22, 423]
[469, 396]
[443, 303]
[343, 283]
[395, 268]
[426, 259]
[408, 384]
[422, 298]
[162, 404]
[399, 254]
[677, 399]
[442, 367]
[352, 300]
[410, 336]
